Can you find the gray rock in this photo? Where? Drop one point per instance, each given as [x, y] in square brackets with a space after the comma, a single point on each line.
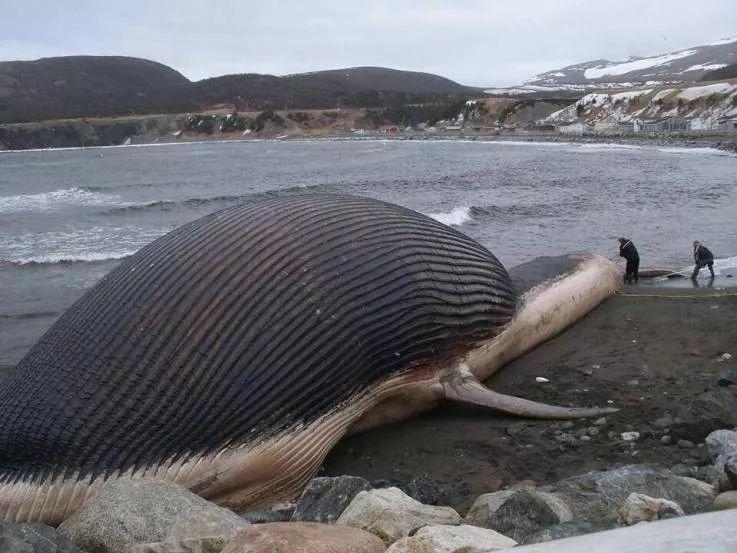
[391, 514]
[520, 513]
[325, 499]
[643, 508]
[665, 440]
[663, 422]
[726, 500]
[424, 489]
[685, 444]
[303, 537]
[281, 512]
[452, 539]
[721, 446]
[600, 421]
[127, 514]
[33, 538]
[563, 530]
[596, 496]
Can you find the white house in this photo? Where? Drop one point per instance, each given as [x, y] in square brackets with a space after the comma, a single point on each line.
[574, 128]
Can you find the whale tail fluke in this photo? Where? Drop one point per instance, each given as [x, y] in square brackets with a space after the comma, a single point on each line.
[461, 386]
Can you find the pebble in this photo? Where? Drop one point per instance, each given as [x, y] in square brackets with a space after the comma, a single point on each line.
[581, 432]
[541, 379]
[725, 357]
[663, 422]
[515, 428]
[600, 422]
[665, 440]
[587, 372]
[630, 436]
[685, 444]
[567, 425]
[585, 438]
[633, 383]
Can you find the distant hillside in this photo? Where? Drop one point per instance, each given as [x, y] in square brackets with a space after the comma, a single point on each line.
[704, 103]
[682, 66]
[726, 72]
[76, 86]
[356, 87]
[85, 86]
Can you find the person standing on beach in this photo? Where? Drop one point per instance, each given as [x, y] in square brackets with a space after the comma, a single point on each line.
[702, 258]
[629, 252]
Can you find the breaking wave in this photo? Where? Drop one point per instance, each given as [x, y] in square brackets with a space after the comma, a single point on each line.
[53, 200]
[67, 259]
[456, 217]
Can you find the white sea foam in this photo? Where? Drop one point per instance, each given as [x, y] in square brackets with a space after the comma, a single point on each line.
[723, 266]
[71, 257]
[696, 151]
[456, 217]
[53, 200]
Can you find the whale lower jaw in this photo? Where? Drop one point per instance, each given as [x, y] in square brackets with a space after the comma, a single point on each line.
[279, 467]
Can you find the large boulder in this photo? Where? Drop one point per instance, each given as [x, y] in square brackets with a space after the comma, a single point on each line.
[391, 514]
[721, 445]
[452, 539]
[325, 499]
[518, 513]
[639, 507]
[33, 538]
[150, 515]
[596, 496]
[303, 537]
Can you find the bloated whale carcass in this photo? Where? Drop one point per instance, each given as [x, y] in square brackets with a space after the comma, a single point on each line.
[231, 354]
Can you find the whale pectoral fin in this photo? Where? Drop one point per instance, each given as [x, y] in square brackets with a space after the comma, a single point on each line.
[460, 385]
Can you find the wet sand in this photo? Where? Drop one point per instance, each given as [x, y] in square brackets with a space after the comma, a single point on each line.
[650, 356]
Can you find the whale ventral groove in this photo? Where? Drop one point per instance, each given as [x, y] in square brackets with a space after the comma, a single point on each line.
[241, 324]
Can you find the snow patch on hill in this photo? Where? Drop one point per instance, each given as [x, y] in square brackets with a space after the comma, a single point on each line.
[634, 65]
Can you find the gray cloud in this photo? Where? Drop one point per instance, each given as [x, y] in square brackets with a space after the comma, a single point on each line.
[475, 42]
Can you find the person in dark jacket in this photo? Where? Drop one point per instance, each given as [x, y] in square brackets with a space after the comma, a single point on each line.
[702, 258]
[629, 252]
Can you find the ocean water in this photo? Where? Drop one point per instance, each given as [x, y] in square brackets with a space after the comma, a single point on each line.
[68, 216]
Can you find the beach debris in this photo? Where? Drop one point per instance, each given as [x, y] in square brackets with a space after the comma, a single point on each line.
[129, 513]
[324, 499]
[630, 436]
[518, 513]
[391, 514]
[305, 537]
[450, 539]
[541, 379]
[639, 507]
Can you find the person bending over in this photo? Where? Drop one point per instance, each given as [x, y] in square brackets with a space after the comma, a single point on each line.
[702, 258]
[629, 252]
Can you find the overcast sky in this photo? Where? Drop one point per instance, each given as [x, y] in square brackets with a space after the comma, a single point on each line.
[492, 42]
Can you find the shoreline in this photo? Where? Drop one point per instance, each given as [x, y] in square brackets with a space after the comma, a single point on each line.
[721, 143]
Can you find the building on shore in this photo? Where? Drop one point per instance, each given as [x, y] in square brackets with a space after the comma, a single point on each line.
[577, 128]
[671, 124]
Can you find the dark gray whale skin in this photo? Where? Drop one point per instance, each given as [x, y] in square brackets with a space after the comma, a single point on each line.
[240, 324]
